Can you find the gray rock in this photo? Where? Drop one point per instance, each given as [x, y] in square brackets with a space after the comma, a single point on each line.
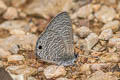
[81, 44]
[4, 53]
[106, 34]
[31, 78]
[1, 63]
[18, 3]
[3, 7]
[18, 77]
[14, 49]
[83, 12]
[91, 40]
[54, 71]
[37, 7]
[25, 42]
[110, 57]
[22, 69]
[113, 41]
[10, 14]
[100, 75]
[62, 78]
[15, 58]
[105, 14]
[83, 31]
[14, 28]
[114, 25]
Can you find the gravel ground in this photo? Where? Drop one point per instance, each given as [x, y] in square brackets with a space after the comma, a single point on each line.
[96, 32]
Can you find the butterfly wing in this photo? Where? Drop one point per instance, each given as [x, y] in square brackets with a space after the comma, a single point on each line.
[61, 24]
[55, 44]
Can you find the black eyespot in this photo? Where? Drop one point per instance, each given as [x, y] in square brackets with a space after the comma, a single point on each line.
[40, 47]
[76, 55]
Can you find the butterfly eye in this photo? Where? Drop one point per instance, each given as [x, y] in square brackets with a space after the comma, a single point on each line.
[40, 47]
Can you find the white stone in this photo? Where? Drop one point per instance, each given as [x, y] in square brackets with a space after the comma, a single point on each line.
[1, 63]
[114, 25]
[31, 78]
[44, 7]
[85, 67]
[4, 53]
[54, 71]
[22, 69]
[83, 31]
[16, 31]
[91, 40]
[62, 78]
[110, 57]
[14, 58]
[105, 14]
[18, 77]
[14, 49]
[100, 75]
[3, 7]
[18, 3]
[10, 14]
[118, 7]
[83, 12]
[114, 41]
[106, 34]
[26, 42]
[99, 66]
[75, 37]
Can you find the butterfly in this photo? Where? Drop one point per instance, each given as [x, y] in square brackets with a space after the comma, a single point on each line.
[55, 44]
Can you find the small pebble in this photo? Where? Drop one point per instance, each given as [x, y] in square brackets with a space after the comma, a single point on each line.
[3, 7]
[83, 12]
[31, 78]
[54, 71]
[105, 14]
[75, 37]
[15, 58]
[22, 69]
[4, 53]
[99, 66]
[1, 63]
[117, 46]
[85, 67]
[62, 78]
[83, 31]
[113, 41]
[81, 44]
[10, 14]
[14, 49]
[106, 34]
[110, 57]
[18, 3]
[100, 75]
[114, 25]
[91, 40]
[17, 31]
[18, 77]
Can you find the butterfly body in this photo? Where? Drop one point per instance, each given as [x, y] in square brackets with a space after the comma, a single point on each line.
[55, 44]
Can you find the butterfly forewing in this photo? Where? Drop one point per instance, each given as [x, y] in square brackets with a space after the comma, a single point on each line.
[55, 44]
[62, 25]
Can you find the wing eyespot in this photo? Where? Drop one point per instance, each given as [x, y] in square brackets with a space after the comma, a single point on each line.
[39, 47]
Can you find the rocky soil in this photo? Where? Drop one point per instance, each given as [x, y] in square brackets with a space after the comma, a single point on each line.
[96, 32]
